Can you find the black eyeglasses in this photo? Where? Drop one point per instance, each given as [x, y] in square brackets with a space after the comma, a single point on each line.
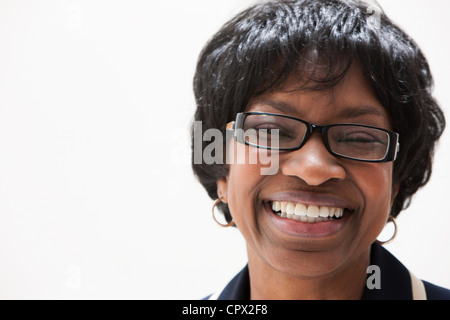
[351, 141]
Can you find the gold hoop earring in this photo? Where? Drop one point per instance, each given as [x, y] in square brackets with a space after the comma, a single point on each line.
[395, 232]
[214, 215]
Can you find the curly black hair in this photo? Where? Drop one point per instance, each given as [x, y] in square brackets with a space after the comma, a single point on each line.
[262, 46]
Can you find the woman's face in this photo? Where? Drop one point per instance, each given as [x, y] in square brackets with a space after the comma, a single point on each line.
[313, 178]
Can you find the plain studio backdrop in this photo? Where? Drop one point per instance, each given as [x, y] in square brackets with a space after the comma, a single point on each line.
[97, 195]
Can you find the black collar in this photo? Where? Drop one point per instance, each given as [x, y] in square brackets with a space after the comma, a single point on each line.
[395, 278]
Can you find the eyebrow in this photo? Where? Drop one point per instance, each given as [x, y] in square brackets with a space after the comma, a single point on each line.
[359, 111]
[347, 113]
[281, 106]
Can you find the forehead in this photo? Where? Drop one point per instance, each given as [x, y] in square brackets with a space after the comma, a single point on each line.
[351, 100]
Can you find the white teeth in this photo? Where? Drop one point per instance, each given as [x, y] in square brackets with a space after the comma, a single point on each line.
[283, 207]
[331, 211]
[300, 209]
[276, 206]
[324, 211]
[313, 211]
[290, 208]
[301, 212]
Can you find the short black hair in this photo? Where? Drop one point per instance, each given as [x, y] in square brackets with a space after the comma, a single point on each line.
[261, 47]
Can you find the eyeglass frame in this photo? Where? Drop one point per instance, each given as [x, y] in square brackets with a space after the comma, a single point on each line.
[392, 150]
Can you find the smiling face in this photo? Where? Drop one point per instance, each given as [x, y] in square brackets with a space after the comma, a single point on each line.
[286, 218]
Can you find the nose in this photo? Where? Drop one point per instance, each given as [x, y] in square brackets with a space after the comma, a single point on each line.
[312, 163]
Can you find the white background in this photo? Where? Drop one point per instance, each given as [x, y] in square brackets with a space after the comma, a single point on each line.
[97, 197]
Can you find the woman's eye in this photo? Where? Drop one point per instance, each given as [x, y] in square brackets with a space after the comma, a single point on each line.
[265, 126]
[359, 137]
[270, 128]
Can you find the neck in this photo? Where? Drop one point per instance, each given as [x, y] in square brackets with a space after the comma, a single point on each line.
[345, 283]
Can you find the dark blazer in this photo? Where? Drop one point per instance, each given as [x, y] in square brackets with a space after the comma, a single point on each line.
[395, 282]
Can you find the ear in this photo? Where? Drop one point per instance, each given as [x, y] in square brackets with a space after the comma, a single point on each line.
[222, 188]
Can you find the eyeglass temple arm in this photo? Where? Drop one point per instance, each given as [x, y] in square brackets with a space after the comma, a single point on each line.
[230, 125]
[397, 150]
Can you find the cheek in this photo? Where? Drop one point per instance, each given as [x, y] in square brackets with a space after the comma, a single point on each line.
[244, 168]
[242, 180]
[244, 177]
[375, 184]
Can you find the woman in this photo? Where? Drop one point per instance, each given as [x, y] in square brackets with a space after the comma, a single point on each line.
[339, 98]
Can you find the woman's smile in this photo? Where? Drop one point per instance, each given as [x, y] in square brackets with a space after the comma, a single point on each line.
[311, 221]
[306, 218]
[308, 214]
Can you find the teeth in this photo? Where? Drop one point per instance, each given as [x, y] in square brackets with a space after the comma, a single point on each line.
[324, 211]
[283, 207]
[300, 209]
[276, 206]
[290, 208]
[313, 212]
[301, 212]
[331, 211]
